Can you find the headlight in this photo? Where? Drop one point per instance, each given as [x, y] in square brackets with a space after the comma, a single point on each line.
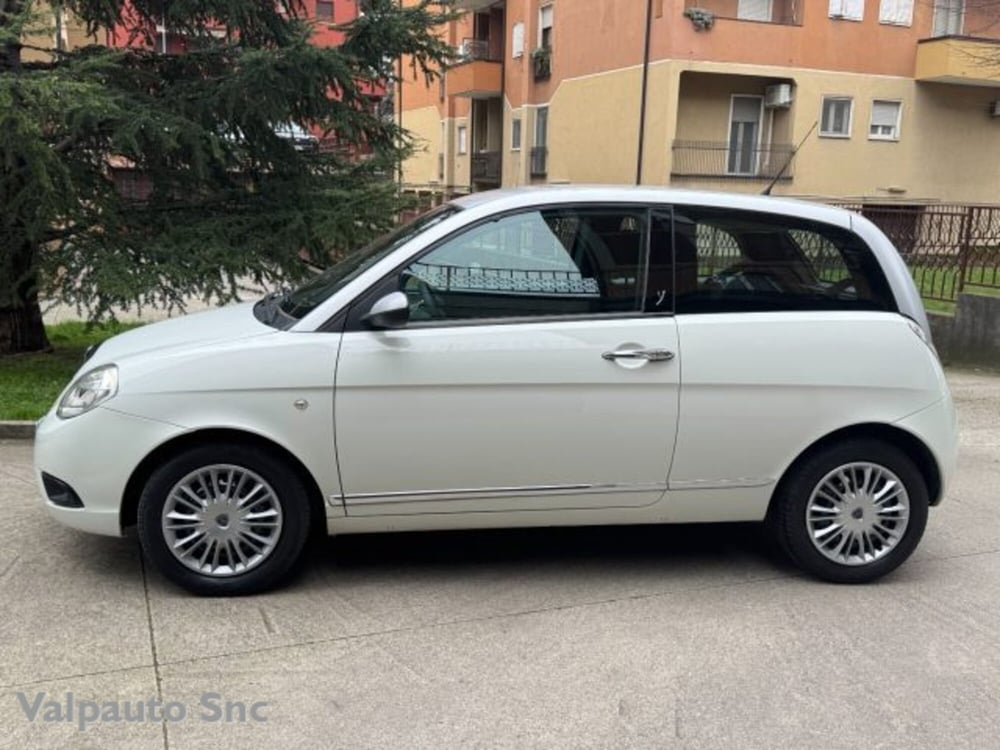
[89, 390]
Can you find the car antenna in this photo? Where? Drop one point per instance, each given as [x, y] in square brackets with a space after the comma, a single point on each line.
[772, 183]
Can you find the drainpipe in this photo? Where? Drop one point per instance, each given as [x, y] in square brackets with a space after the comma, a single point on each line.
[503, 91]
[645, 86]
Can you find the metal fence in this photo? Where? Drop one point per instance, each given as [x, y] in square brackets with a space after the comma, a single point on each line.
[949, 248]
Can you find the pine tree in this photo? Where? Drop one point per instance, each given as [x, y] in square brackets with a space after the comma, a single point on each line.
[226, 197]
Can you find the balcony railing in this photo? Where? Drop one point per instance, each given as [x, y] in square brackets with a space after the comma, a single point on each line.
[485, 166]
[781, 12]
[475, 49]
[732, 161]
[539, 161]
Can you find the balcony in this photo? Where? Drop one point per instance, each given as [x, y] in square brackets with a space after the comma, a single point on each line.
[958, 59]
[539, 161]
[485, 167]
[780, 12]
[720, 160]
[474, 6]
[476, 73]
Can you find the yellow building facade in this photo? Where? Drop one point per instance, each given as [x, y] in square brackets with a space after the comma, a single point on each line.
[874, 100]
[55, 29]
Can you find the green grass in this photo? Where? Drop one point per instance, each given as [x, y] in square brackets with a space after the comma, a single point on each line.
[30, 383]
[943, 282]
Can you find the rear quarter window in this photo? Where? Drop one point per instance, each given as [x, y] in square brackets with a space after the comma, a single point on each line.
[733, 261]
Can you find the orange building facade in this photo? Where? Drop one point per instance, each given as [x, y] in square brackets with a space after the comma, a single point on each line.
[875, 100]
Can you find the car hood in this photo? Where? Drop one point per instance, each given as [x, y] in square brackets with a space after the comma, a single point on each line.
[198, 329]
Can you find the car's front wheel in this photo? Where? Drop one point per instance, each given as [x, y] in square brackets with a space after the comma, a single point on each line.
[851, 512]
[224, 520]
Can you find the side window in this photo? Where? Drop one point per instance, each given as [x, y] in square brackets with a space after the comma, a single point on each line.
[735, 261]
[559, 261]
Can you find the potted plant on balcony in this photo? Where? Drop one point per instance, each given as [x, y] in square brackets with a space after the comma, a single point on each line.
[702, 20]
[541, 61]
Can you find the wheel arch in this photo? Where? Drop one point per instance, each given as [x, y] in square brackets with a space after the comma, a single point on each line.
[140, 475]
[910, 444]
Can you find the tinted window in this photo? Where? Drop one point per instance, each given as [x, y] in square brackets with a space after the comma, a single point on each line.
[560, 261]
[731, 261]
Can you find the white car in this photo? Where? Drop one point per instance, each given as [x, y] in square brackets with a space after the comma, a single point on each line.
[536, 357]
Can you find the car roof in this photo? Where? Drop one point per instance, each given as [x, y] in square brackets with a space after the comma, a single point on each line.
[513, 198]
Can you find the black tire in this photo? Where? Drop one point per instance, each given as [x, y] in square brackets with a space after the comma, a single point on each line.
[287, 550]
[787, 517]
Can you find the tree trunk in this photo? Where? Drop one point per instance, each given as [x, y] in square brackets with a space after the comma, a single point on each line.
[21, 329]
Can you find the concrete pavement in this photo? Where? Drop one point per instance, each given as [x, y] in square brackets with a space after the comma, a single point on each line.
[593, 638]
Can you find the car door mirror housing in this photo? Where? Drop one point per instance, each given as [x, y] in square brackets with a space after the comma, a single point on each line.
[390, 311]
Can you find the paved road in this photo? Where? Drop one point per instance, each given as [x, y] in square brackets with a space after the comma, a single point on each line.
[597, 638]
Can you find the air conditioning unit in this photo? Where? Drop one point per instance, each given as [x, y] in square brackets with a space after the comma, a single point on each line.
[778, 96]
[995, 108]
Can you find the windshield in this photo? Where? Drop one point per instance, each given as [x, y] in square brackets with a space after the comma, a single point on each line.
[309, 296]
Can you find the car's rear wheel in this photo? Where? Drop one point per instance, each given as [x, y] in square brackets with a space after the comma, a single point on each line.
[224, 520]
[851, 512]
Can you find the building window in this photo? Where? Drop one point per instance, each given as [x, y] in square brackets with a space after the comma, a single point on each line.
[835, 121]
[753, 10]
[540, 151]
[324, 10]
[542, 126]
[896, 12]
[517, 40]
[545, 26]
[745, 115]
[948, 16]
[515, 134]
[885, 120]
[463, 139]
[847, 10]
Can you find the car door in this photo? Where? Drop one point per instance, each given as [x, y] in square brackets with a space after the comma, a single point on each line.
[529, 376]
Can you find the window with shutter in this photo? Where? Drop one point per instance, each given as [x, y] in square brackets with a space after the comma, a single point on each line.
[948, 16]
[753, 10]
[896, 12]
[848, 10]
[885, 121]
[517, 40]
[545, 26]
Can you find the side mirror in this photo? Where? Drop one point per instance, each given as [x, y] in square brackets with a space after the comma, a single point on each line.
[390, 311]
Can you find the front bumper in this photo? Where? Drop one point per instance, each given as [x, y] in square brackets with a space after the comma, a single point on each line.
[95, 454]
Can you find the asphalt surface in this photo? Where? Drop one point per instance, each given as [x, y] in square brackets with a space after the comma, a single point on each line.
[687, 637]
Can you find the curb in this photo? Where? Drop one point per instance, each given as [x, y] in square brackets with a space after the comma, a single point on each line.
[10, 430]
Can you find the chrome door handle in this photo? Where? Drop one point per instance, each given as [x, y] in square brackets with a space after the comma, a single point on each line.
[653, 355]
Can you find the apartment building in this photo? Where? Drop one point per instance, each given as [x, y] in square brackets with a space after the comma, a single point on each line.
[879, 100]
[55, 30]
[326, 15]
